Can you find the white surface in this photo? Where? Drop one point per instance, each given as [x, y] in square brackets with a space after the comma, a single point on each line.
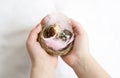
[100, 18]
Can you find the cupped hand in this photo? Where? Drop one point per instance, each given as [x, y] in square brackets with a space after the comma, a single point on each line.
[80, 47]
[37, 54]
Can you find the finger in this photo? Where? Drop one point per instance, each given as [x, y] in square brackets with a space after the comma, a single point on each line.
[77, 27]
[44, 20]
[34, 33]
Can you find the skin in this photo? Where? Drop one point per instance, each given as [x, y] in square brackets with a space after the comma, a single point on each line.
[84, 65]
[41, 61]
[44, 65]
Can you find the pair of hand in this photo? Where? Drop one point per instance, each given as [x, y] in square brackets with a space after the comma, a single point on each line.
[45, 62]
[38, 54]
[44, 65]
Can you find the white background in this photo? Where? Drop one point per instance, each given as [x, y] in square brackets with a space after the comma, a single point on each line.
[100, 18]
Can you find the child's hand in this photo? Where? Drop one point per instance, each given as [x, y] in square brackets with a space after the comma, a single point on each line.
[40, 59]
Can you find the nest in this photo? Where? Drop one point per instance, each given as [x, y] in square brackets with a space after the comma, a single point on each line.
[55, 31]
[52, 31]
